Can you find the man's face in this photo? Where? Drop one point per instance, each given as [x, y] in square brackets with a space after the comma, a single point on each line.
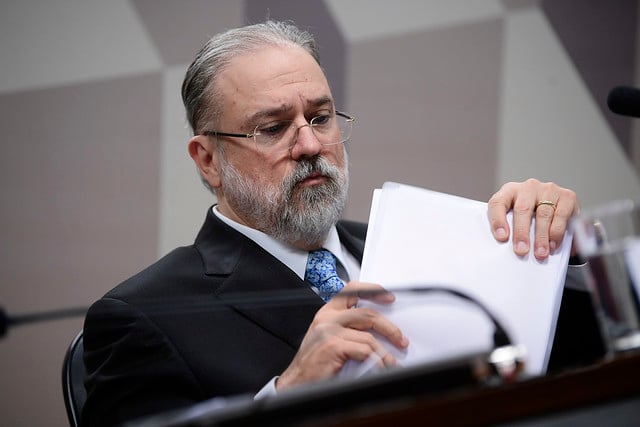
[295, 195]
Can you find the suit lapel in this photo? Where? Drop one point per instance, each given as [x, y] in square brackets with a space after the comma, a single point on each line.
[279, 301]
[255, 283]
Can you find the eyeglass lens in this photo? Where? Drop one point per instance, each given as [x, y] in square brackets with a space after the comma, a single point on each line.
[329, 130]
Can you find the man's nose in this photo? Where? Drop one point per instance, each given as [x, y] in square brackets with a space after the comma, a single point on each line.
[306, 142]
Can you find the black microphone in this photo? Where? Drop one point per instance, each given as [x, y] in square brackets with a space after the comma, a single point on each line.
[624, 100]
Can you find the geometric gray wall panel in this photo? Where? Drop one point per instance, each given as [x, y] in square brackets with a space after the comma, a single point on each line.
[80, 187]
[422, 115]
[79, 166]
[314, 17]
[179, 28]
[600, 38]
[79, 173]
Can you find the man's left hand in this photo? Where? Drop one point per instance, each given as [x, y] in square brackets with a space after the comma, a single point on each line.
[551, 205]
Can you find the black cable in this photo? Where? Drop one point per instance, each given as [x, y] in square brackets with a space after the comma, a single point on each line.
[255, 299]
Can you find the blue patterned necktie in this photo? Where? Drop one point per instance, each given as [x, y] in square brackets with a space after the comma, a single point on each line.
[321, 272]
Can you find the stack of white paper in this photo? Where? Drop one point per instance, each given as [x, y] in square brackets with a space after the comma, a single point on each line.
[421, 238]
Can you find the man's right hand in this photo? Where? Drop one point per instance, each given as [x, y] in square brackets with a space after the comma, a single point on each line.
[341, 332]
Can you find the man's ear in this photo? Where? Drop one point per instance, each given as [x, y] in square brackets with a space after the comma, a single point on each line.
[205, 155]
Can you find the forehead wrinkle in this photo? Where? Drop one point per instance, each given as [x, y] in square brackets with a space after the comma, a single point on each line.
[286, 108]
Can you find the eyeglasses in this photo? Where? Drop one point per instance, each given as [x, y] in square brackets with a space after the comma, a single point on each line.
[282, 135]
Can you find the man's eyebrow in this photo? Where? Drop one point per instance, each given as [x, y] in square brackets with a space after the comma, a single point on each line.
[285, 108]
[269, 112]
[321, 102]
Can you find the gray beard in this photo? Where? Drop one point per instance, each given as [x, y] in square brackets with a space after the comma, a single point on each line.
[297, 216]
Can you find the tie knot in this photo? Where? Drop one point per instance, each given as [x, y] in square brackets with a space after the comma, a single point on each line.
[321, 272]
[321, 256]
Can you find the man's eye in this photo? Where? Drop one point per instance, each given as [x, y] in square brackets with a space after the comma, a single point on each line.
[321, 120]
[273, 129]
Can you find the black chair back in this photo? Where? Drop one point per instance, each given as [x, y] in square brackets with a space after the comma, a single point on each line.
[73, 376]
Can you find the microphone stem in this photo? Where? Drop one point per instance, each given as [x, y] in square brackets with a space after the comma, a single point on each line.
[7, 321]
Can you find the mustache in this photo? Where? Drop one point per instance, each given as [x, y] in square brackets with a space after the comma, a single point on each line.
[304, 168]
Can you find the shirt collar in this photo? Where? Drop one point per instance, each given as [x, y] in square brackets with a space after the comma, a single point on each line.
[294, 258]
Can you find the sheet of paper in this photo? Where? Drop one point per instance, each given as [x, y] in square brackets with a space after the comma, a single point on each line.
[421, 238]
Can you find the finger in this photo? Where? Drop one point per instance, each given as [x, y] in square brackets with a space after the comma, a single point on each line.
[349, 295]
[346, 298]
[523, 210]
[498, 206]
[377, 294]
[382, 359]
[567, 206]
[363, 346]
[544, 217]
[365, 319]
[552, 218]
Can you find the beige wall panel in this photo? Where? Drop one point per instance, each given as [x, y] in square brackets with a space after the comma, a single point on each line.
[79, 167]
[551, 127]
[183, 198]
[426, 105]
[55, 42]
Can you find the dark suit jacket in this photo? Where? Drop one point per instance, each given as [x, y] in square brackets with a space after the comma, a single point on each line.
[176, 334]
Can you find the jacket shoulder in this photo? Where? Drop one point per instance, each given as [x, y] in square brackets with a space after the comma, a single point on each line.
[178, 267]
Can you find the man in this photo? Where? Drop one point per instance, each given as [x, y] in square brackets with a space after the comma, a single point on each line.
[268, 141]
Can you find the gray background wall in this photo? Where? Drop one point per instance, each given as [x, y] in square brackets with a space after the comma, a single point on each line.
[457, 96]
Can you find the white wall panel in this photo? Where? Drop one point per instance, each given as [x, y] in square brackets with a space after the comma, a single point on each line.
[551, 127]
[369, 19]
[44, 43]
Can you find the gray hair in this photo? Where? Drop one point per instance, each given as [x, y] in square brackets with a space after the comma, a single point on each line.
[200, 97]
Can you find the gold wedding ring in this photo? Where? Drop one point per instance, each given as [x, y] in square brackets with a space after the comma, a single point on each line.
[546, 202]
